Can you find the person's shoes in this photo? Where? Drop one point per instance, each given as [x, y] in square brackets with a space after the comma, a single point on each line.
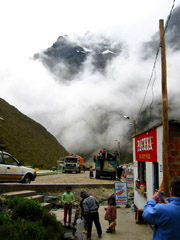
[109, 230]
[100, 236]
[69, 225]
[89, 238]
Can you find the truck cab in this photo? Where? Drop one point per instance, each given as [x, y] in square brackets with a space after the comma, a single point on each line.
[71, 164]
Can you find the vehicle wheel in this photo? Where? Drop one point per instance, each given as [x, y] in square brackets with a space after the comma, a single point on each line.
[97, 175]
[27, 179]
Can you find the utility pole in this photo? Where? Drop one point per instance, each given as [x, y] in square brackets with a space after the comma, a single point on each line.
[165, 155]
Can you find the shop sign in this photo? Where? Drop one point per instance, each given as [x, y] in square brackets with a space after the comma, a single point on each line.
[121, 193]
[146, 146]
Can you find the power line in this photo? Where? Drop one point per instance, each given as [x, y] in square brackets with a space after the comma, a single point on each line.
[155, 61]
[152, 73]
[152, 95]
[169, 17]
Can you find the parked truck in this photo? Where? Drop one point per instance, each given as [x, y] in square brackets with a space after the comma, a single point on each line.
[73, 163]
[106, 164]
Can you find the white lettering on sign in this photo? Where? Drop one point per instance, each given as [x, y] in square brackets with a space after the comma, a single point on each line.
[144, 144]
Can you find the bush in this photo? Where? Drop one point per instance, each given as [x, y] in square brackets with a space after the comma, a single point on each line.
[27, 220]
[26, 209]
[22, 230]
[53, 228]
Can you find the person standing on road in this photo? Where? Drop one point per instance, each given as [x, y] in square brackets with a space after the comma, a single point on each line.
[110, 214]
[165, 217]
[68, 200]
[91, 175]
[90, 207]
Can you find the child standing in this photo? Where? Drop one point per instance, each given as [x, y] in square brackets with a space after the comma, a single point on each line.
[68, 200]
[91, 175]
[110, 215]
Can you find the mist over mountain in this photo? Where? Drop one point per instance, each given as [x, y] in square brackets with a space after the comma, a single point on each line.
[67, 56]
[107, 81]
[172, 36]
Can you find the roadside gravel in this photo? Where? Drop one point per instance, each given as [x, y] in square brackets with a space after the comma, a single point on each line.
[100, 192]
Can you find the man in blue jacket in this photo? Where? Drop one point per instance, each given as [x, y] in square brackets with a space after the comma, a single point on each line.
[165, 216]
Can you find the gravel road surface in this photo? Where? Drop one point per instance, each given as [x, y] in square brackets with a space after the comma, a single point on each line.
[100, 192]
[63, 178]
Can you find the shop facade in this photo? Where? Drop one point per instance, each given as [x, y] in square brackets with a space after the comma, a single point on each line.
[148, 162]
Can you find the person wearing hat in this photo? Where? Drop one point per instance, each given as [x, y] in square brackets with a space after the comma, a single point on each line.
[90, 208]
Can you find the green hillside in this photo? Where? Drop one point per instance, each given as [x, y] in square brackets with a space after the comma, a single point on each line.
[27, 140]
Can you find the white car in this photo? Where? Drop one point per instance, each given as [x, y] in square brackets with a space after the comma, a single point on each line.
[12, 171]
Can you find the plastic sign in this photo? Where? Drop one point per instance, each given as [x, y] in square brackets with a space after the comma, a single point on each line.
[146, 146]
[121, 192]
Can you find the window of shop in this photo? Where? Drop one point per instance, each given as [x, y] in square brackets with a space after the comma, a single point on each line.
[142, 172]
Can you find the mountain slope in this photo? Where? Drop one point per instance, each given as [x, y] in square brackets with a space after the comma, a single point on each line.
[27, 140]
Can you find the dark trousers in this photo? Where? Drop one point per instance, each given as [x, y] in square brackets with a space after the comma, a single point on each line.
[93, 217]
[67, 210]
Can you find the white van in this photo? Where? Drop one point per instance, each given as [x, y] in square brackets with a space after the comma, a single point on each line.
[12, 171]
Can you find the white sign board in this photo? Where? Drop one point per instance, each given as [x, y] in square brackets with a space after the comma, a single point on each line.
[121, 192]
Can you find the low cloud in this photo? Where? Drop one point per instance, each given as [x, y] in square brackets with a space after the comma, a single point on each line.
[86, 114]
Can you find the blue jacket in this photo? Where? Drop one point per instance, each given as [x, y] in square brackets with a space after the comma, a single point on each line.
[165, 217]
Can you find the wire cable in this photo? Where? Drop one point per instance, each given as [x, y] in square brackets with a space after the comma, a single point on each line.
[155, 61]
[152, 73]
[150, 107]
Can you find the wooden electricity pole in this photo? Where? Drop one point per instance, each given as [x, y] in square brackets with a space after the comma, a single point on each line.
[165, 111]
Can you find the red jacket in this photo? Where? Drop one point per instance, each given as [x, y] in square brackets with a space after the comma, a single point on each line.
[110, 214]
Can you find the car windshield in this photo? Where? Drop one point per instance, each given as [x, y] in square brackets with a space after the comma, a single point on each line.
[71, 160]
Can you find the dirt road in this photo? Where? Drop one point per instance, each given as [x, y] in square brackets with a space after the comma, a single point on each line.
[126, 228]
[63, 178]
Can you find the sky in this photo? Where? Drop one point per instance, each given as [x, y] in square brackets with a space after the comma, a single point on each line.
[30, 26]
[34, 25]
